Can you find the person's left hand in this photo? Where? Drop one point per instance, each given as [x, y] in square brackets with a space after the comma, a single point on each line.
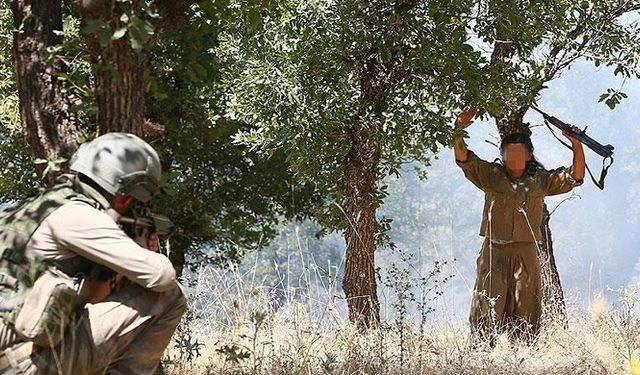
[574, 129]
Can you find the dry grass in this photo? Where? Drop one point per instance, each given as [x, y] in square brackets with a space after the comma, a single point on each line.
[243, 330]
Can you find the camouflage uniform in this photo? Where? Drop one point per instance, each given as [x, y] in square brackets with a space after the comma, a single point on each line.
[507, 291]
[127, 332]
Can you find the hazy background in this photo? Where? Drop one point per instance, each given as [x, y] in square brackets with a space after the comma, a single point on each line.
[437, 219]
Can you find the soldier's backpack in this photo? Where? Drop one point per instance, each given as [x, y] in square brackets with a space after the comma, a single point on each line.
[36, 298]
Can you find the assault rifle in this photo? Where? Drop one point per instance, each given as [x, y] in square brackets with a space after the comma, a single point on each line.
[606, 151]
[157, 224]
[140, 226]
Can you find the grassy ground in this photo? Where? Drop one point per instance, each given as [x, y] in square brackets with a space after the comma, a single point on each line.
[250, 330]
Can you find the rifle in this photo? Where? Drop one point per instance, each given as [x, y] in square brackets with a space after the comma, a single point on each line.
[143, 224]
[606, 151]
[160, 225]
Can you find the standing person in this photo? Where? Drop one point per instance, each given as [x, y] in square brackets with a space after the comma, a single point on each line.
[507, 292]
[55, 319]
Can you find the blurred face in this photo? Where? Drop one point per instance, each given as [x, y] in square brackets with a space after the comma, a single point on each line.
[515, 157]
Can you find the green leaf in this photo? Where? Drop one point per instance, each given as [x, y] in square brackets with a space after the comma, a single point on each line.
[139, 30]
[136, 42]
[603, 97]
[92, 26]
[104, 36]
[119, 33]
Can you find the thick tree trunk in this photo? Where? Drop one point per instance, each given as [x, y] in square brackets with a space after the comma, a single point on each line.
[359, 284]
[49, 127]
[552, 295]
[553, 304]
[119, 92]
[118, 72]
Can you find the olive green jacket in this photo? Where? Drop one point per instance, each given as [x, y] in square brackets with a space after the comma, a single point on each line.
[513, 209]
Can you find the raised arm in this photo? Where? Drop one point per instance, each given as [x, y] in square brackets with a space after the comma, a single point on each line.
[462, 121]
[578, 167]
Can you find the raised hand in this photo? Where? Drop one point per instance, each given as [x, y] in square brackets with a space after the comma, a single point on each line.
[575, 130]
[465, 118]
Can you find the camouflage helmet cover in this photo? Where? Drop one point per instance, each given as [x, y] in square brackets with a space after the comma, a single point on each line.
[121, 163]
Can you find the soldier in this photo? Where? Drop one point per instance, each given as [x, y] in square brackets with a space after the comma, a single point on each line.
[507, 293]
[52, 240]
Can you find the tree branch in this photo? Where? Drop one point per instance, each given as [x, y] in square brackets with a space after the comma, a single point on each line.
[171, 10]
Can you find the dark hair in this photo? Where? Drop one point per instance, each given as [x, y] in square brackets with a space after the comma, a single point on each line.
[532, 165]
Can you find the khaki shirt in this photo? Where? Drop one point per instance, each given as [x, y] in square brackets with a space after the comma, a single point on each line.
[77, 229]
[507, 200]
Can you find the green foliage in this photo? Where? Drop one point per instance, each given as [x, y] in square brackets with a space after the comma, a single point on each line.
[233, 353]
[20, 177]
[187, 343]
[312, 73]
[410, 287]
[225, 196]
[17, 176]
[537, 40]
[72, 53]
[135, 23]
[260, 99]
[612, 98]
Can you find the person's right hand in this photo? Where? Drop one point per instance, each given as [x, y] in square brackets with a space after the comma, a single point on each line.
[153, 243]
[466, 117]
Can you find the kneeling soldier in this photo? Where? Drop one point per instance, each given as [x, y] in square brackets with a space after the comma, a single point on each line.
[55, 319]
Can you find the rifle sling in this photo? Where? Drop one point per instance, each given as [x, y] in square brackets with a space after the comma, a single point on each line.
[605, 168]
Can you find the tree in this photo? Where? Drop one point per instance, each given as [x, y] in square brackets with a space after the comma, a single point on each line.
[226, 197]
[530, 44]
[47, 95]
[350, 89]
[47, 125]
[16, 178]
[137, 66]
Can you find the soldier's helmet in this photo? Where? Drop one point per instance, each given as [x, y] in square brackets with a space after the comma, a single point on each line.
[121, 164]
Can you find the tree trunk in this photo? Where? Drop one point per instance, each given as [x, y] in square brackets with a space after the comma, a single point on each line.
[119, 69]
[119, 92]
[553, 305]
[48, 126]
[118, 72]
[359, 284]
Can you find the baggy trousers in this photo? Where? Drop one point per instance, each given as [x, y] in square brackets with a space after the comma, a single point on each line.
[125, 334]
[507, 293]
